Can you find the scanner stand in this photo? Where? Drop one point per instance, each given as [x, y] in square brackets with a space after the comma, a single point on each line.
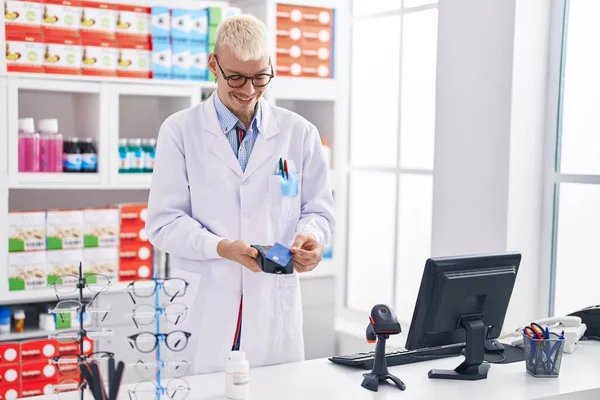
[380, 370]
[472, 369]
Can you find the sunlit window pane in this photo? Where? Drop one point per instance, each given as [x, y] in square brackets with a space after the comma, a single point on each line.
[363, 7]
[415, 3]
[578, 241]
[581, 108]
[419, 55]
[371, 239]
[375, 82]
[414, 239]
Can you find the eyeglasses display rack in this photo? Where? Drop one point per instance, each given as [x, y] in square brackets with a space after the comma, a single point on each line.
[69, 364]
[153, 371]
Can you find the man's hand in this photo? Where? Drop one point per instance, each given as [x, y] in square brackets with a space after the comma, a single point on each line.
[240, 252]
[307, 253]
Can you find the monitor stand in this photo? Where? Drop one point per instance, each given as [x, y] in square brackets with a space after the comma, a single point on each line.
[472, 369]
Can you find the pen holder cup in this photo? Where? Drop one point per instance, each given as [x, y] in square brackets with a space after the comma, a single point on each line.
[543, 356]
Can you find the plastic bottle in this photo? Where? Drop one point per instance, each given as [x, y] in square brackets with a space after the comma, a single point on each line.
[237, 376]
[135, 155]
[149, 147]
[51, 146]
[29, 146]
[124, 164]
[72, 160]
[4, 319]
[89, 159]
[19, 321]
[326, 152]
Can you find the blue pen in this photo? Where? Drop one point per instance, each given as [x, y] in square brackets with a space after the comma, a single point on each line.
[547, 333]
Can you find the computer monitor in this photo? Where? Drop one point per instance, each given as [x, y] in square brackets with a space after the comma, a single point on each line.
[463, 299]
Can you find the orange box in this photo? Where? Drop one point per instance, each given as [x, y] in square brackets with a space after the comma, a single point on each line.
[10, 374]
[63, 55]
[38, 349]
[72, 348]
[10, 353]
[39, 371]
[134, 214]
[31, 389]
[99, 57]
[287, 66]
[133, 270]
[135, 253]
[10, 392]
[61, 18]
[99, 20]
[133, 236]
[133, 23]
[23, 15]
[302, 15]
[24, 52]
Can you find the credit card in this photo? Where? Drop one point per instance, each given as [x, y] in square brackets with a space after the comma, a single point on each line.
[280, 254]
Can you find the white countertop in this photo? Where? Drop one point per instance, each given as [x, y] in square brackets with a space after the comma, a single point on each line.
[320, 379]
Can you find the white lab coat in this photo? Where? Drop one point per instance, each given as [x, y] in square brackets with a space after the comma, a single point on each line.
[199, 195]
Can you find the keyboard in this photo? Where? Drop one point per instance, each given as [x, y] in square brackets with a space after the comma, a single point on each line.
[398, 356]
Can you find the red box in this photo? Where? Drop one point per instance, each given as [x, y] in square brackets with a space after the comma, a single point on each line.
[23, 15]
[39, 349]
[39, 371]
[10, 353]
[10, 392]
[99, 20]
[133, 214]
[99, 57]
[133, 23]
[135, 253]
[10, 374]
[135, 59]
[61, 18]
[63, 55]
[303, 15]
[133, 270]
[24, 52]
[31, 389]
[134, 236]
[73, 347]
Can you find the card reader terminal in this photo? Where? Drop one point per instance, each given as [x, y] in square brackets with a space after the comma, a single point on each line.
[276, 259]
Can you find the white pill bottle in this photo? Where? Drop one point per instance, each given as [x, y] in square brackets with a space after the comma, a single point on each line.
[237, 376]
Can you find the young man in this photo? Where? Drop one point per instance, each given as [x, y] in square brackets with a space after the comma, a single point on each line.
[218, 186]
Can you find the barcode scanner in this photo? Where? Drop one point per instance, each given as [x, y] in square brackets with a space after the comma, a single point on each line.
[382, 323]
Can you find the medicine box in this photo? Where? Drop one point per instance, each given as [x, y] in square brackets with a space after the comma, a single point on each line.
[10, 374]
[101, 260]
[98, 20]
[64, 229]
[101, 227]
[133, 214]
[198, 27]
[38, 350]
[161, 60]
[10, 353]
[61, 263]
[37, 388]
[161, 23]
[134, 60]
[133, 236]
[180, 25]
[23, 16]
[99, 57]
[214, 15]
[61, 18]
[11, 391]
[181, 61]
[134, 23]
[24, 52]
[26, 231]
[71, 347]
[63, 55]
[134, 270]
[199, 63]
[27, 270]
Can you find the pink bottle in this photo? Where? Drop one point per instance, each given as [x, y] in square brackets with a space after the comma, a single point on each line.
[29, 146]
[51, 146]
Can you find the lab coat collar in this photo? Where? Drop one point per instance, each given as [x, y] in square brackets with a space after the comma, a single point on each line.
[263, 148]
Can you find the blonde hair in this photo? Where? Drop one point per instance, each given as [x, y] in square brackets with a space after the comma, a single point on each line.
[245, 35]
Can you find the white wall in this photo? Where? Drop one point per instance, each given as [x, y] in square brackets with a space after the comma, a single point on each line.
[492, 63]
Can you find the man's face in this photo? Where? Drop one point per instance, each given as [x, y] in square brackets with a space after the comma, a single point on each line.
[239, 99]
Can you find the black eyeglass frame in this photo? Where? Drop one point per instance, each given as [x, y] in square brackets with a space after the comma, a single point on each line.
[159, 337]
[246, 78]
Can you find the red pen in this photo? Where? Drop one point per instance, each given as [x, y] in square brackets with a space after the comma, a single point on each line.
[287, 176]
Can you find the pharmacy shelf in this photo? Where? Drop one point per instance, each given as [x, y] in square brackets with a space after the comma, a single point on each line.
[49, 180]
[42, 295]
[27, 334]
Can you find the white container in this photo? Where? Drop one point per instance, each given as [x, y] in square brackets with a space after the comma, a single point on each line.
[237, 376]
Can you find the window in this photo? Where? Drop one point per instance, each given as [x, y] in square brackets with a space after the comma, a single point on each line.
[390, 166]
[575, 174]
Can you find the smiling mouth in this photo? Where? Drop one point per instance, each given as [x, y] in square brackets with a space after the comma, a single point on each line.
[243, 99]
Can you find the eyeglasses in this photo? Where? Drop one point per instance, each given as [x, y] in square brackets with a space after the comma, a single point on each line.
[147, 368]
[74, 306]
[177, 389]
[173, 287]
[238, 80]
[146, 342]
[77, 335]
[68, 364]
[96, 283]
[145, 314]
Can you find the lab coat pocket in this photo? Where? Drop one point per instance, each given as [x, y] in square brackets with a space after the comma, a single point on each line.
[285, 196]
[291, 304]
